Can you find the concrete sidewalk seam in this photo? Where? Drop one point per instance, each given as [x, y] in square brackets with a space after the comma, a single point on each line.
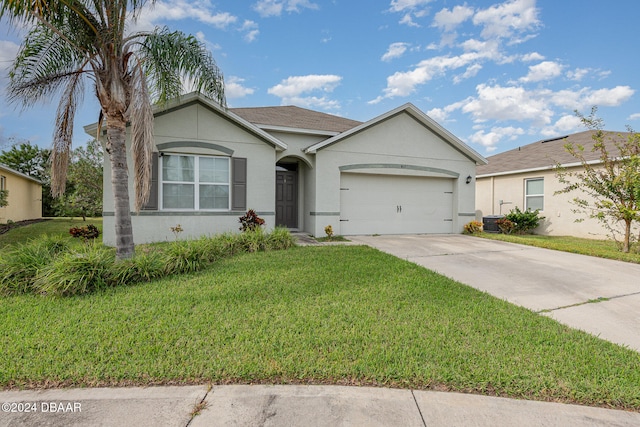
[419, 410]
[199, 406]
[591, 301]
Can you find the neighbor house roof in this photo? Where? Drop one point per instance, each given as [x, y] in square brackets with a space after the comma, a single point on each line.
[544, 154]
[15, 172]
[292, 117]
[414, 112]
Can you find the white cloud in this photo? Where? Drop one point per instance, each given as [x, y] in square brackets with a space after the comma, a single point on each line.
[471, 71]
[577, 74]
[490, 140]
[546, 70]
[8, 52]
[233, 88]
[568, 123]
[508, 18]
[410, 9]
[533, 56]
[508, 103]
[251, 29]
[175, 10]
[267, 8]
[404, 83]
[448, 20]
[395, 50]
[609, 97]
[292, 89]
[634, 116]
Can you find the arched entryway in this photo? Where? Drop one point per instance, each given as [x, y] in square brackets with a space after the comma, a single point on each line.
[287, 194]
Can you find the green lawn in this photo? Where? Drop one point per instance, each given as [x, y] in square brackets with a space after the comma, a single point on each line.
[54, 226]
[321, 315]
[592, 247]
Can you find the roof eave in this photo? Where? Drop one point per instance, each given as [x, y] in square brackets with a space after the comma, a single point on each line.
[537, 169]
[23, 175]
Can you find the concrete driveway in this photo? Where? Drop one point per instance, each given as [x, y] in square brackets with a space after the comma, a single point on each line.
[596, 295]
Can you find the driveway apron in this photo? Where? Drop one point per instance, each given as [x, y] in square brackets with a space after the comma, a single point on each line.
[596, 295]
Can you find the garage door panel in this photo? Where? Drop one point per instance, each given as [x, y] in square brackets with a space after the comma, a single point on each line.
[391, 204]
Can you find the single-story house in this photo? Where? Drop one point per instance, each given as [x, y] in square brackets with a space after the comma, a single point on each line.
[525, 178]
[398, 173]
[24, 196]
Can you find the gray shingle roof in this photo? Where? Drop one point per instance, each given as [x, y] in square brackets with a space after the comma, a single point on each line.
[295, 117]
[545, 153]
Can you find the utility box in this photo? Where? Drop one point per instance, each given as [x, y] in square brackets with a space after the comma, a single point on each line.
[490, 223]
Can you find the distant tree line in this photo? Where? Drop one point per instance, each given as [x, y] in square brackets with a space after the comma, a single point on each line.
[83, 195]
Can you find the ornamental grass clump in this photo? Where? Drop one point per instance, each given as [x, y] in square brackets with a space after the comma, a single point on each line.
[19, 266]
[84, 269]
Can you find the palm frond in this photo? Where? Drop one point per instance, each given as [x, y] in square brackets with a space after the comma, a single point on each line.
[168, 57]
[140, 115]
[63, 134]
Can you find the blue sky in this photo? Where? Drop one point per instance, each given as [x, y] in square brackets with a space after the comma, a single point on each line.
[495, 74]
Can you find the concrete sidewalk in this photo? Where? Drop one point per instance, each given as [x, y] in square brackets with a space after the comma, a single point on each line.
[260, 405]
[596, 295]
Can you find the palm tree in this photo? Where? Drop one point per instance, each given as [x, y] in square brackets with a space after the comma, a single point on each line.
[72, 42]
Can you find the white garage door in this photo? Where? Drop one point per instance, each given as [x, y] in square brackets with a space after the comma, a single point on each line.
[391, 204]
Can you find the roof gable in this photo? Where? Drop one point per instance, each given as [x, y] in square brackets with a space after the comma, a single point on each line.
[544, 154]
[421, 117]
[192, 98]
[292, 117]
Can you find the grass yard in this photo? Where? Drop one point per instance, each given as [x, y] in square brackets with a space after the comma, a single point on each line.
[53, 226]
[321, 315]
[598, 248]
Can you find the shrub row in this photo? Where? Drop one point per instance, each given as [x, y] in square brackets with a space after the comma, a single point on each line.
[49, 266]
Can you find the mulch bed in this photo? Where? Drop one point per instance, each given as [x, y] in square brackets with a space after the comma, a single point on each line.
[6, 227]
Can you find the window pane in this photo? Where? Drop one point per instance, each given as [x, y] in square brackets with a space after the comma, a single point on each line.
[535, 202]
[214, 169]
[178, 196]
[178, 168]
[535, 186]
[214, 197]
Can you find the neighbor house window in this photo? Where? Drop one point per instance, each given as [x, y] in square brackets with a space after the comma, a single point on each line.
[3, 183]
[534, 194]
[195, 182]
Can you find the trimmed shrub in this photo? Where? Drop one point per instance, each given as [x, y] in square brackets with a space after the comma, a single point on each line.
[473, 227]
[19, 266]
[525, 221]
[80, 271]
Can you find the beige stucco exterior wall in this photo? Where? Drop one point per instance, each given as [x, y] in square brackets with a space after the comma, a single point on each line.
[25, 198]
[197, 123]
[559, 218]
[399, 140]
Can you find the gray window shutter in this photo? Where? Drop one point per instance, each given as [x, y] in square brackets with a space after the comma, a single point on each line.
[152, 204]
[238, 183]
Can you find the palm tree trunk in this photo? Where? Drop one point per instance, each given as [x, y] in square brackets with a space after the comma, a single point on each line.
[120, 186]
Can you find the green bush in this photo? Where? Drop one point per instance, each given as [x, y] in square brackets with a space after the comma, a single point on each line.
[473, 227]
[279, 239]
[79, 271]
[143, 267]
[525, 221]
[48, 265]
[19, 266]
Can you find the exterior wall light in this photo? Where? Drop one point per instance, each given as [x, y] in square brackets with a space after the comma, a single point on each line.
[469, 179]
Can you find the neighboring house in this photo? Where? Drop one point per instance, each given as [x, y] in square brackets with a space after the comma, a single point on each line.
[525, 178]
[25, 196]
[398, 173]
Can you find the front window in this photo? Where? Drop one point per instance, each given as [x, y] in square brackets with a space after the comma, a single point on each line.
[195, 182]
[534, 194]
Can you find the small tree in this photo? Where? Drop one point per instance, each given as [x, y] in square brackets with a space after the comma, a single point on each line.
[611, 186]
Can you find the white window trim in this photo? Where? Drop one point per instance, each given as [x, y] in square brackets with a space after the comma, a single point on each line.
[527, 196]
[196, 183]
